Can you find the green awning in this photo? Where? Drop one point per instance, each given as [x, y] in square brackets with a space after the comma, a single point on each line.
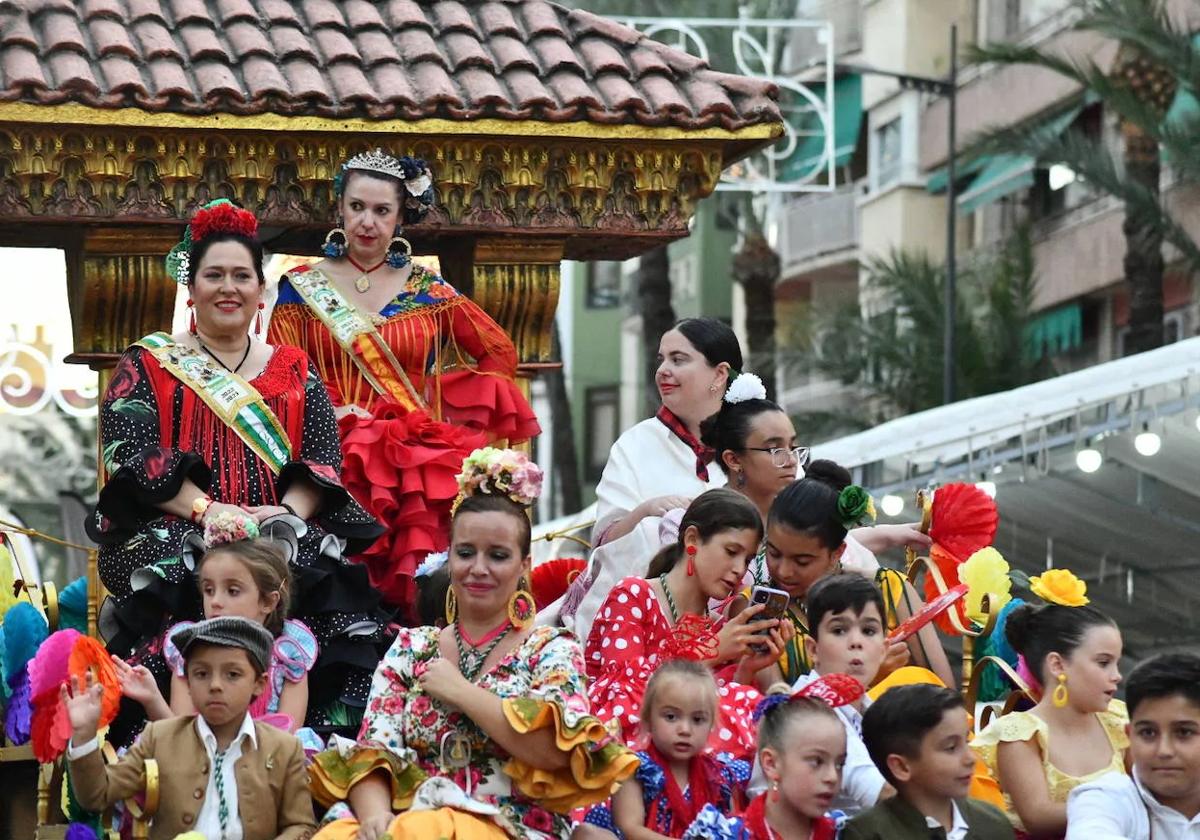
[1186, 107]
[847, 125]
[1054, 331]
[988, 178]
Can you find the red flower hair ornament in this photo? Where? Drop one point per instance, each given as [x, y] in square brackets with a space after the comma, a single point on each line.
[832, 689]
[220, 216]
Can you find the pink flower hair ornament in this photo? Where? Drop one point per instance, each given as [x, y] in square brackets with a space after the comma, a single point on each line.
[499, 472]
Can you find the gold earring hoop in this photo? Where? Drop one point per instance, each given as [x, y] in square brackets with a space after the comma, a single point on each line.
[1061, 695]
[451, 606]
[522, 609]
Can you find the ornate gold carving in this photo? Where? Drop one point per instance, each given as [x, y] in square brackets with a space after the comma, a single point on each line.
[122, 291]
[517, 183]
[516, 282]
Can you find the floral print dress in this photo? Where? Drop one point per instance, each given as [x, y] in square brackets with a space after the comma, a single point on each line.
[541, 684]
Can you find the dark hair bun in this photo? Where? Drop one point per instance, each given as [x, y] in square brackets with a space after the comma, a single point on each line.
[1020, 626]
[827, 472]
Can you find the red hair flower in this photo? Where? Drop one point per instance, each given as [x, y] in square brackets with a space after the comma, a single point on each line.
[223, 218]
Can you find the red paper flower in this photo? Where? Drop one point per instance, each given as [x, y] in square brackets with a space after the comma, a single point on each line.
[223, 218]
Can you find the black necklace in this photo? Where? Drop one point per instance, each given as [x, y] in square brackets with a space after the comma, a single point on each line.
[217, 359]
[471, 659]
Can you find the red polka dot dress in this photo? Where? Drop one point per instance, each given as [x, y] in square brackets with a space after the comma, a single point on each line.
[629, 639]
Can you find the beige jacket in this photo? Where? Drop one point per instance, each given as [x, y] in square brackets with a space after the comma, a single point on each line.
[272, 785]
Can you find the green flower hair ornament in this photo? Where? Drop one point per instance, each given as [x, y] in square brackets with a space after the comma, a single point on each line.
[855, 507]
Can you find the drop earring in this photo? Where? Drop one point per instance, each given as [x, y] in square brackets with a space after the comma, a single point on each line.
[1061, 696]
[191, 317]
[258, 319]
[691, 561]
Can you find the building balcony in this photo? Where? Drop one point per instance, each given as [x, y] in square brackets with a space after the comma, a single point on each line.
[819, 232]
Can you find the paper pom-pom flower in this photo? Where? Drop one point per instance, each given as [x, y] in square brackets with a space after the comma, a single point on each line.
[87, 654]
[994, 685]
[948, 565]
[65, 654]
[48, 669]
[24, 631]
[986, 572]
[745, 387]
[7, 596]
[18, 718]
[80, 831]
[72, 606]
[1059, 586]
[964, 520]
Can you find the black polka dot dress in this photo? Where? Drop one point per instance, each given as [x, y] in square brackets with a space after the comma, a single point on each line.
[156, 433]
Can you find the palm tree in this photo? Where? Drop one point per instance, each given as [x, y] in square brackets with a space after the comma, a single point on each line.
[756, 266]
[1156, 58]
[894, 354]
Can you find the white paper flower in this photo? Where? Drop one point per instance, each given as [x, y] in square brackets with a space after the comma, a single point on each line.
[417, 186]
[747, 386]
[432, 563]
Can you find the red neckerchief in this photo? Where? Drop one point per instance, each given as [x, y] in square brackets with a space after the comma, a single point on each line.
[755, 819]
[704, 454]
[703, 784]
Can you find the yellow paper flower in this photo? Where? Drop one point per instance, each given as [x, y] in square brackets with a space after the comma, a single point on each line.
[986, 572]
[1059, 586]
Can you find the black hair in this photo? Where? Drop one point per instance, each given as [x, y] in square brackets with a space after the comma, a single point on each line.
[431, 596]
[729, 428]
[1165, 675]
[715, 340]
[810, 505]
[199, 249]
[411, 212]
[491, 503]
[896, 723]
[776, 720]
[1037, 631]
[837, 593]
[709, 513]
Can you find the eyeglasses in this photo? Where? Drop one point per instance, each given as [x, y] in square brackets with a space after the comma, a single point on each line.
[782, 456]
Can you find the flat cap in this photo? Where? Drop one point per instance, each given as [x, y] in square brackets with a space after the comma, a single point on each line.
[228, 631]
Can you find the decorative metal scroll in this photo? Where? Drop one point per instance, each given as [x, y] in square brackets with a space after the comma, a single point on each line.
[30, 381]
[758, 49]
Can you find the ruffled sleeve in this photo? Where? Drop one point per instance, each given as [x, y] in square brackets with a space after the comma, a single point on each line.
[558, 699]
[1115, 720]
[143, 473]
[381, 744]
[171, 652]
[295, 650]
[1014, 726]
[651, 777]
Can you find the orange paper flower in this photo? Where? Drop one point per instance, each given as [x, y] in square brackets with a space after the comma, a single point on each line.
[1060, 586]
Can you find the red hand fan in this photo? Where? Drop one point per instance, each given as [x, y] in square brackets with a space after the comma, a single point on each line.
[928, 613]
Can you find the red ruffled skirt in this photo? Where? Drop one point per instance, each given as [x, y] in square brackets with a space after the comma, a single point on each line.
[402, 467]
[490, 402]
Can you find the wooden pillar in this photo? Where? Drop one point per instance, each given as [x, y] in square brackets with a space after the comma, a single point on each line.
[119, 290]
[516, 282]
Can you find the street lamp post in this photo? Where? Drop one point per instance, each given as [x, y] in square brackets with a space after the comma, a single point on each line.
[947, 87]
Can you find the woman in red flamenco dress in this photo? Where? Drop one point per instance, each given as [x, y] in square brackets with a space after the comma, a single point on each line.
[420, 374]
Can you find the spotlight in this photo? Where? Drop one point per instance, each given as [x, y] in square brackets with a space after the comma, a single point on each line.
[988, 487]
[1147, 443]
[891, 505]
[1089, 460]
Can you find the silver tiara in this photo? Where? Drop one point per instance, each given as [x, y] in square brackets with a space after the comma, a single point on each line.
[378, 161]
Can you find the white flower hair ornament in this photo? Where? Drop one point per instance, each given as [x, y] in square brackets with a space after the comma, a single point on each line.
[746, 386]
[499, 472]
[431, 563]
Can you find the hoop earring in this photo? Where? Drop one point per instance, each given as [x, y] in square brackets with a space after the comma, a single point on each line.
[1061, 695]
[691, 563]
[399, 257]
[521, 607]
[191, 317]
[258, 319]
[451, 606]
[332, 247]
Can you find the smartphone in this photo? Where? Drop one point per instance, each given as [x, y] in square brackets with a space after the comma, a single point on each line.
[776, 601]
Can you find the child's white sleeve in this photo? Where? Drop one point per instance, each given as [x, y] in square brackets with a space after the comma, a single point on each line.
[1109, 808]
[861, 780]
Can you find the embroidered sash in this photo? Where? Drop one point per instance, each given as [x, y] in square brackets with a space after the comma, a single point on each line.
[355, 334]
[234, 400]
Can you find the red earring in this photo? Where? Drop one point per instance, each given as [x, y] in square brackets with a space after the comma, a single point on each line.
[191, 318]
[258, 319]
[691, 564]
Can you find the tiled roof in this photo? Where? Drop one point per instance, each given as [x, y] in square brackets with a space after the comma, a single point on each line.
[370, 59]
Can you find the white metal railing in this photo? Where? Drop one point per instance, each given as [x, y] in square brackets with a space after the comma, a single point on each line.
[817, 225]
[30, 381]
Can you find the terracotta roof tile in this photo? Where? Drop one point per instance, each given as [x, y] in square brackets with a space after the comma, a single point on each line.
[336, 47]
[375, 59]
[109, 37]
[60, 31]
[203, 44]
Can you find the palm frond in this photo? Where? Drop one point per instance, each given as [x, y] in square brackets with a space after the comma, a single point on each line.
[1146, 25]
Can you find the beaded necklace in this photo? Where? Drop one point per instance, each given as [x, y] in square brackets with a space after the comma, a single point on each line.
[662, 579]
[471, 659]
